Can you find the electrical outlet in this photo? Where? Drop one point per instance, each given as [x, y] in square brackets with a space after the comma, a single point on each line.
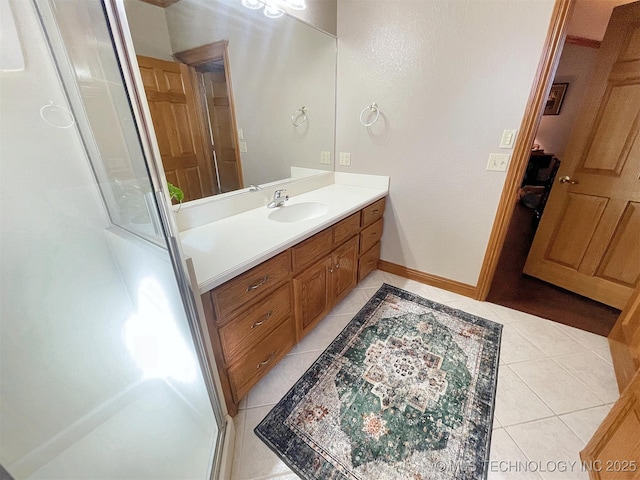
[498, 162]
[325, 158]
[240, 134]
[243, 147]
[345, 158]
[508, 139]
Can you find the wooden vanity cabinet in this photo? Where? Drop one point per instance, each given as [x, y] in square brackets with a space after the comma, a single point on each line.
[255, 318]
[319, 287]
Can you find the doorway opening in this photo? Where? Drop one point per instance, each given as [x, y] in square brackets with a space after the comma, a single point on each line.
[510, 286]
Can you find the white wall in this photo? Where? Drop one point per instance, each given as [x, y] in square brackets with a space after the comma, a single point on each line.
[321, 14]
[149, 30]
[590, 18]
[575, 68]
[63, 301]
[448, 77]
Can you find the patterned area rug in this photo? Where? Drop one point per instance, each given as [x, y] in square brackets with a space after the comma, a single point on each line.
[406, 391]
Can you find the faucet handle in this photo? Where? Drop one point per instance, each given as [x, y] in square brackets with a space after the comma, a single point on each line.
[280, 193]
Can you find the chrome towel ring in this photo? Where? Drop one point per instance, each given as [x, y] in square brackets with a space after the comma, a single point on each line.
[57, 116]
[300, 115]
[371, 108]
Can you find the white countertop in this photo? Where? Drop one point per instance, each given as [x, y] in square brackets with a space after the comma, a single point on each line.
[225, 248]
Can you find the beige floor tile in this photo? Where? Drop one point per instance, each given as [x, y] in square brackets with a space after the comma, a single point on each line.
[516, 402]
[587, 339]
[561, 391]
[593, 372]
[506, 458]
[604, 353]
[547, 337]
[256, 460]
[238, 422]
[516, 348]
[323, 334]
[272, 387]
[552, 448]
[351, 304]
[585, 422]
[480, 309]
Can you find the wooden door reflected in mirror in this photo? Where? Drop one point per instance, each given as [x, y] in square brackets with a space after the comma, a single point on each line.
[192, 109]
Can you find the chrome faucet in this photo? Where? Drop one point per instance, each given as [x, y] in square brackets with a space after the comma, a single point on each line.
[279, 197]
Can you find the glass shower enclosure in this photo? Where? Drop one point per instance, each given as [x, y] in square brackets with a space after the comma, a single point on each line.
[103, 370]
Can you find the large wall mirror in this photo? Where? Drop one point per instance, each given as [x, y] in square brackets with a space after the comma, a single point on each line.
[226, 87]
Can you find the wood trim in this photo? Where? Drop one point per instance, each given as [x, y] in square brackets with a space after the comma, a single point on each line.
[161, 3]
[427, 278]
[200, 58]
[203, 54]
[582, 41]
[531, 120]
[612, 437]
[624, 351]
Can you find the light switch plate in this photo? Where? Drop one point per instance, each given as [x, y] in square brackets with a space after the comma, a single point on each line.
[345, 158]
[325, 158]
[508, 139]
[243, 147]
[498, 162]
[240, 134]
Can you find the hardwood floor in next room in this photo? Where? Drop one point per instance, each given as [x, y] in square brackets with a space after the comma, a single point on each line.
[511, 288]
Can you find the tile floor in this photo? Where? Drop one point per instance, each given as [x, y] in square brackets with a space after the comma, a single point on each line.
[555, 385]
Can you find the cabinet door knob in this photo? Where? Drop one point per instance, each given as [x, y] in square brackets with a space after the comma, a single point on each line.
[262, 364]
[337, 265]
[268, 316]
[258, 284]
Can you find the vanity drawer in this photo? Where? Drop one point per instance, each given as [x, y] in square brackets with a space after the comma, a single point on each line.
[369, 261]
[246, 330]
[258, 361]
[312, 249]
[346, 229]
[372, 213]
[370, 236]
[250, 285]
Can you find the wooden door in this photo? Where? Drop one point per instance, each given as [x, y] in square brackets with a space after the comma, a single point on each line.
[344, 275]
[312, 295]
[173, 107]
[587, 241]
[223, 129]
[614, 450]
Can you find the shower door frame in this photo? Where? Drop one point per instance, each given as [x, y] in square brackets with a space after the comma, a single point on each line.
[117, 25]
[125, 52]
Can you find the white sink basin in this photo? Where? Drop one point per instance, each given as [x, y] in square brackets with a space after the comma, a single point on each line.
[298, 211]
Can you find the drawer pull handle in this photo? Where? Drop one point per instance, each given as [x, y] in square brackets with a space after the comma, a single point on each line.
[262, 364]
[373, 234]
[259, 284]
[257, 324]
[374, 211]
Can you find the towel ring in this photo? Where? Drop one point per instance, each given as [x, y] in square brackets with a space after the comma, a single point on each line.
[296, 115]
[55, 122]
[371, 108]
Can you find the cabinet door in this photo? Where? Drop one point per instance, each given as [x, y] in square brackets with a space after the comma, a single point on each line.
[344, 269]
[311, 292]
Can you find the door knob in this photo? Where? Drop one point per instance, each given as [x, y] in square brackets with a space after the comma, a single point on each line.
[567, 179]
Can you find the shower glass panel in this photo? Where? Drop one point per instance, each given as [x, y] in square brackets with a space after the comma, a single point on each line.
[103, 373]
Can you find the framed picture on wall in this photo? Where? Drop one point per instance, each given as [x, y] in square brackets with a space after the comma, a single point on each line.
[556, 95]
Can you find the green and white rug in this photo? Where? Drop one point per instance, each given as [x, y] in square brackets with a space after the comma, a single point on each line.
[406, 391]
